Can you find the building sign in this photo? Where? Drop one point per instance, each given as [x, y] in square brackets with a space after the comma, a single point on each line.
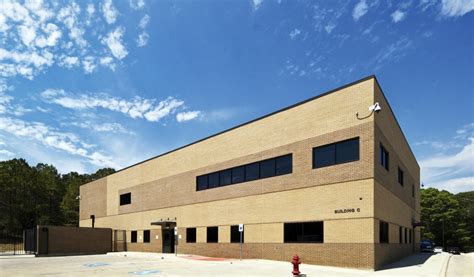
[345, 211]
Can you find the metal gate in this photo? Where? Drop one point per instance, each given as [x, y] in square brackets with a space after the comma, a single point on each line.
[119, 241]
[18, 243]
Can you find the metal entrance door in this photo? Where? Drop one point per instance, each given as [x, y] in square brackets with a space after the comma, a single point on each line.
[168, 240]
[120, 241]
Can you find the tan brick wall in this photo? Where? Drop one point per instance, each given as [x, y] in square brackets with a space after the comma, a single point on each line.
[308, 120]
[359, 255]
[93, 199]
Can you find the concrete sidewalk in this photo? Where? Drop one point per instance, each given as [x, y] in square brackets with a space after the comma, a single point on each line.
[133, 263]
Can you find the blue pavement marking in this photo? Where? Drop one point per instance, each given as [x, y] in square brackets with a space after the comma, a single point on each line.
[144, 272]
[95, 264]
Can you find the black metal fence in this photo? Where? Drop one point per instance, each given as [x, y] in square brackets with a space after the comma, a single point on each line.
[18, 243]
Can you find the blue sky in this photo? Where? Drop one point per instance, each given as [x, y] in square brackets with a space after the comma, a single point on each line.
[89, 84]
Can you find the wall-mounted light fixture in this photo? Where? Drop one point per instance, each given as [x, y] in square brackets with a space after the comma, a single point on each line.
[373, 108]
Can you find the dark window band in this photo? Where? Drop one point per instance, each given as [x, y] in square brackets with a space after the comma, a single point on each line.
[245, 173]
[336, 153]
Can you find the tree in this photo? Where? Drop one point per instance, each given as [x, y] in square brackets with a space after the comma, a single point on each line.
[438, 207]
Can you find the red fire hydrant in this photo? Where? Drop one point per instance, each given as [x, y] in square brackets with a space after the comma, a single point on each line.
[296, 265]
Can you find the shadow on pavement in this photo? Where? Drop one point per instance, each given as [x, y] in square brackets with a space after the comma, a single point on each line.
[413, 260]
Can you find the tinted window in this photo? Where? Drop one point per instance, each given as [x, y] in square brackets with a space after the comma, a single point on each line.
[413, 190]
[267, 168]
[133, 236]
[125, 199]
[225, 177]
[252, 172]
[202, 182]
[146, 236]
[308, 232]
[400, 176]
[190, 235]
[235, 234]
[214, 180]
[400, 235]
[384, 158]
[324, 156]
[238, 175]
[406, 237]
[284, 165]
[383, 232]
[212, 234]
[347, 151]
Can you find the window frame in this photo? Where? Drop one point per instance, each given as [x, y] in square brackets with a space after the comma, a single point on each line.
[214, 179]
[288, 237]
[384, 235]
[145, 240]
[334, 145]
[235, 234]
[401, 177]
[384, 157]
[208, 229]
[122, 199]
[187, 235]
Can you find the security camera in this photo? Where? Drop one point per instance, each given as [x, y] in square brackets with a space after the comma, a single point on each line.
[78, 197]
[375, 107]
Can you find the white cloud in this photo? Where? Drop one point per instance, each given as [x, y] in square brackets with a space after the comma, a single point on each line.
[329, 27]
[293, 34]
[450, 170]
[456, 185]
[65, 142]
[68, 62]
[137, 4]
[89, 64]
[102, 127]
[144, 21]
[186, 116]
[114, 41]
[90, 9]
[135, 108]
[27, 34]
[456, 8]
[53, 35]
[5, 154]
[163, 109]
[360, 10]
[108, 62]
[398, 16]
[109, 11]
[256, 4]
[142, 39]
[392, 52]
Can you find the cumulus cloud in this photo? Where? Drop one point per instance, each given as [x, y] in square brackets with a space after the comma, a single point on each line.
[149, 109]
[256, 4]
[144, 21]
[65, 142]
[398, 16]
[142, 39]
[450, 165]
[360, 10]
[293, 34]
[186, 116]
[456, 8]
[38, 35]
[114, 41]
[109, 11]
[137, 4]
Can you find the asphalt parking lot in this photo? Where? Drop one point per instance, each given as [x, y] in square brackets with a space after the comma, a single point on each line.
[130, 264]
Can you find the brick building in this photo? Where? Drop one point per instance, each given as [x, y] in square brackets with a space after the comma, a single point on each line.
[325, 178]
